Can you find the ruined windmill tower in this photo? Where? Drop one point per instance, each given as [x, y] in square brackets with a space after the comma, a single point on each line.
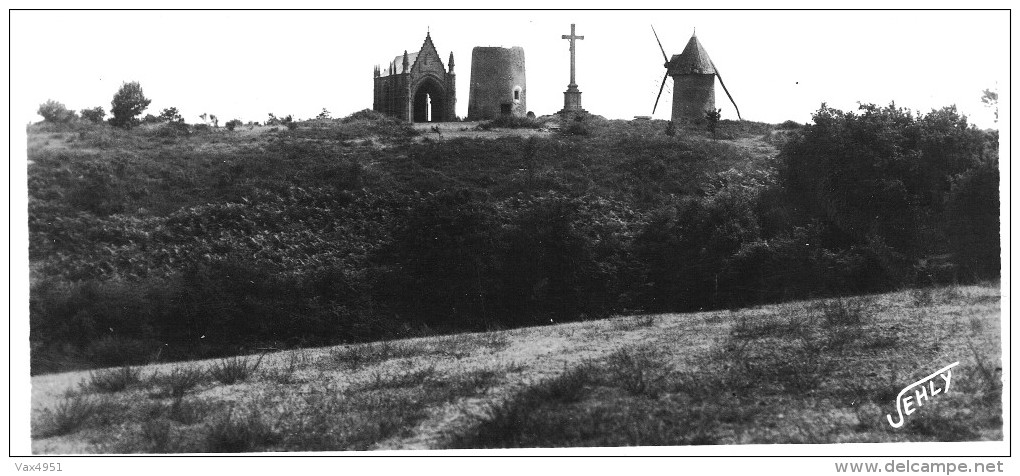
[498, 83]
[693, 74]
[417, 87]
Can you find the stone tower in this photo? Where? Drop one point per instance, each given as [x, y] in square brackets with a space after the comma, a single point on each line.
[417, 87]
[693, 83]
[498, 83]
[693, 74]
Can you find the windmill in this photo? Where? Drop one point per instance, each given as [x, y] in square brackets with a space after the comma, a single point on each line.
[693, 82]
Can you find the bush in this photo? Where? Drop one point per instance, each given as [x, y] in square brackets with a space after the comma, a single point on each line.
[113, 380]
[508, 121]
[880, 173]
[180, 380]
[94, 115]
[974, 221]
[55, 112]
[365, 115]
[440, 260]
[576, 127]
[75, 320]
[233, 123]
[238, 434]
[683, 248]
[170, 114]
[67, 416]
[127, 104]
[235, 369]
[712, 119]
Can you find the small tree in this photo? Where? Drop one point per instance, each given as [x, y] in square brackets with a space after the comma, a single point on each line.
[53, 111]
[127, 104]
[170, 114]
[94, 115]
[324, 115]
[712, 118]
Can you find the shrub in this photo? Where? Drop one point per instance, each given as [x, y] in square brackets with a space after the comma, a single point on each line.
[973, 218]
[180, 380]
[234, 369]
[234, 434]
[170, 114]
[712, 119]
[94, 115]
[683, 249]
[67, 416]
[576, 128]
[847, 311]
[127, 104]
[175, 129]
[670, 128]
[508, 121]
[365, 115]
[113, 380]
[441, 259]
[635, 371]
[233, 123]
[881, 172]
[53, 111]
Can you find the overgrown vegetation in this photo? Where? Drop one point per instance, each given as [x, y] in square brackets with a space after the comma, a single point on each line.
[167, 242]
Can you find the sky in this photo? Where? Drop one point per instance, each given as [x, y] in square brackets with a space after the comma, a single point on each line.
[778, 65]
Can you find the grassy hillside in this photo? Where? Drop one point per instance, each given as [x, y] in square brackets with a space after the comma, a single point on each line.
[824, 371]
[129, 229]
[174, 242]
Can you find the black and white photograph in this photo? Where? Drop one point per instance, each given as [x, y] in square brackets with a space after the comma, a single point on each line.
[511, 232]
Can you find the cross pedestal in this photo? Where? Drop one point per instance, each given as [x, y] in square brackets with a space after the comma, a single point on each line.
[572, 96]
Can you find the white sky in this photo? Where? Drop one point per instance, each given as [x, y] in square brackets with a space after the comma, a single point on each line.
[778, 65]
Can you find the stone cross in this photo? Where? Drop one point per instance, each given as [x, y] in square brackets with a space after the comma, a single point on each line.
[572, 37]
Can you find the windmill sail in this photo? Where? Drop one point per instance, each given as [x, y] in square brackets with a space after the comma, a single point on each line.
[727, 91]
[660, 93]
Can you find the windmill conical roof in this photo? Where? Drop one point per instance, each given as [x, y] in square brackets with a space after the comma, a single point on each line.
[693, 60]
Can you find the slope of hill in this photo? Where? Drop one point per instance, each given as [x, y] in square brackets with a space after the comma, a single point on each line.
[324, 221]
[825, 371]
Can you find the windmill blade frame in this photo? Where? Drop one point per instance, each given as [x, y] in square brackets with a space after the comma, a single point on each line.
[661, 87]
[660, 44]
[726, 90]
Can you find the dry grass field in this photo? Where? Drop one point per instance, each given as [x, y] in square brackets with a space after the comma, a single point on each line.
[803, 372]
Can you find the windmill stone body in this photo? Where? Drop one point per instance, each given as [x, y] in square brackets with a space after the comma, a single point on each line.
[693, 74]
